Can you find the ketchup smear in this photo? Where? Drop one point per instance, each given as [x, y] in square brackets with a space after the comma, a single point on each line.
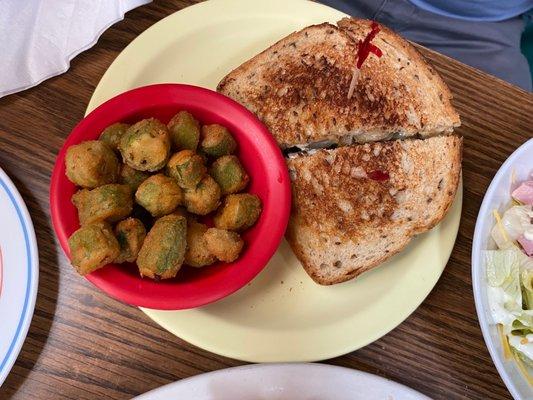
[364, 48]
[378, 175]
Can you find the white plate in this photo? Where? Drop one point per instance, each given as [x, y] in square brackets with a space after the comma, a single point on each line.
[285, 382]
[498, 197]
[282, 315]
[19, 273]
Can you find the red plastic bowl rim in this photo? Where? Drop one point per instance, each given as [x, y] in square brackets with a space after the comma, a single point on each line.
[275, 233]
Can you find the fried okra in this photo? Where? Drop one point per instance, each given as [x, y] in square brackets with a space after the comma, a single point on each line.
[163, 251]
[112, 135]
[197, 254]
[217, 141]
[187, 168]
[228, 172]
[132, 177]
[223, 244]
[159, 194]
[239, 212]
[184, 131]
[204, 198]
[130, 234]
[111, 203]
[145, 146]
[93, 246]
[91, 164]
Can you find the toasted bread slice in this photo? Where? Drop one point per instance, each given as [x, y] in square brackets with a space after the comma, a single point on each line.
[354, 207]
[299, 88]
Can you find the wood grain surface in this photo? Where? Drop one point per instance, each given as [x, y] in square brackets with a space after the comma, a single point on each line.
[84, 345]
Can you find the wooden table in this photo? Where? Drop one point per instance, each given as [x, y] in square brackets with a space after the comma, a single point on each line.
[84, 345]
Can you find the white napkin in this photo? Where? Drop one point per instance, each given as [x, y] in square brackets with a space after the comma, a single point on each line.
[38, 38]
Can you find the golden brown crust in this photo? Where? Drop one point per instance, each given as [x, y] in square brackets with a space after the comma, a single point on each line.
[299, 87]
[356, 223]
[310, 268]
[456, 158]
[417, 65]
[335, 184]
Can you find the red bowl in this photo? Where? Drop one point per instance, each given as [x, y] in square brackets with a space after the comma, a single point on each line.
[258, 153]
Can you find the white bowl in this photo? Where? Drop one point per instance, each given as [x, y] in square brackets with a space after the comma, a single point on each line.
[518, 166]
[283, 382]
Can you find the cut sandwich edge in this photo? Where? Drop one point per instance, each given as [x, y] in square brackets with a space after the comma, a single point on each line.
[449, 117]
[311, 268]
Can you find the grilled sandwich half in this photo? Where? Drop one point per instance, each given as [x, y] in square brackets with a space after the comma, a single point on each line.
[299, 88]
[384, 163]
[354, 207]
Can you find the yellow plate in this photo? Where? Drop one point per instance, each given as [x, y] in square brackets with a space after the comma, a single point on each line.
[282, 315]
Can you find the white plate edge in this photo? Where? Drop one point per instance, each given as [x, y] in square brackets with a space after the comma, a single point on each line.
[476, 268]
[26, 322]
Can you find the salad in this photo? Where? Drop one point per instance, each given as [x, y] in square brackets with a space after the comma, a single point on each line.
[509, 271]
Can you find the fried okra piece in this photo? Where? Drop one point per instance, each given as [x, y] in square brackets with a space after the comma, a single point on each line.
[204, 198]
[225, 245]
[111, 203]
[112, 135]
[217, 141]
[184, 131]
[145, 146]
[228, 172]
[187, 168]
[197, 254]
[91, 164]
[132, 177]
[159, 194]
[130, 234]
[239, 212]
[92, 247]
[163, 250]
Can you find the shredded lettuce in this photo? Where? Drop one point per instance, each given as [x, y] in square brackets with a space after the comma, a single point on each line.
[510, 283]
[498, 233]
[503, 291]
[521, 328]
[510, 295]
[503, 270]
[515, 220]
[511, 225]
[523, 348]
[527, 284]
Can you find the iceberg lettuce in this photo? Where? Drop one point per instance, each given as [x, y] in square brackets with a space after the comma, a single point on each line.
[510, 295]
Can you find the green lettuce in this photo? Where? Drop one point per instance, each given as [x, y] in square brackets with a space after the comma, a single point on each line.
[510, 294]
[503, 272]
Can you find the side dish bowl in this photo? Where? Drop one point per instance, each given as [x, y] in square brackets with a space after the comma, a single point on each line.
[515, 169]
[259, 155]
